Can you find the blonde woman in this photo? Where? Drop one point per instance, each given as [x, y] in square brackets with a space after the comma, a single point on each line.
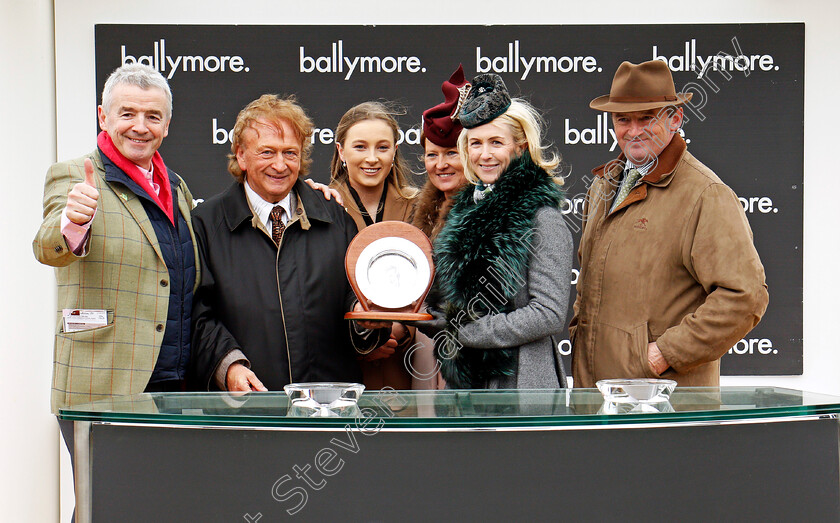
[504, 256]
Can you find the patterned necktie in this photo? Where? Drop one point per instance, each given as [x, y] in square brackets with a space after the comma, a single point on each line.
[150, 178]
[627, 185]
[277, 226]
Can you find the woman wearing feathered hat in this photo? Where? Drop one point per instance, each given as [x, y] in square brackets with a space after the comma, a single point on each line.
[504, 256]
[445, 173]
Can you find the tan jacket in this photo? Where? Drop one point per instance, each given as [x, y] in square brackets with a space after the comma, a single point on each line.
[674, 264]
[396, 207]
[391, 371]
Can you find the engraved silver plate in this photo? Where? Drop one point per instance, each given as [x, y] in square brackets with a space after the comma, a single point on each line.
[392, 272]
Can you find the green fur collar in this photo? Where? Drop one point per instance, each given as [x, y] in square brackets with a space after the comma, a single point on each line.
[481, 262]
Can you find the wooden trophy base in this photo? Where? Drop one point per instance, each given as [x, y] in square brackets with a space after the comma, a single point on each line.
[387, 316]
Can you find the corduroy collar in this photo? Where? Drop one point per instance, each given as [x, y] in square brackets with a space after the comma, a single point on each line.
[237, 211]
[660, 176]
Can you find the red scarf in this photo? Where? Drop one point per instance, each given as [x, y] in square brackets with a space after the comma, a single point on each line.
[160, 174]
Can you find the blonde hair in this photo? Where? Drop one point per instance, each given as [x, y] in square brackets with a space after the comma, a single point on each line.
[398, 176]
[526, 125]
[274, 110]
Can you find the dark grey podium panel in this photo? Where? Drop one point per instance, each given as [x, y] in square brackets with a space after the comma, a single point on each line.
[784, 470]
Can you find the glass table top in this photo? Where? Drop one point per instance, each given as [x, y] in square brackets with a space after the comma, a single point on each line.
[455, 408]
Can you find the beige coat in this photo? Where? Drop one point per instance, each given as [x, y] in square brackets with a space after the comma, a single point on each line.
[391, 371]
[396, 207]
[674, 264]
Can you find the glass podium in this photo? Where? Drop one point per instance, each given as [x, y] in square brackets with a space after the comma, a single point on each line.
[731, 453]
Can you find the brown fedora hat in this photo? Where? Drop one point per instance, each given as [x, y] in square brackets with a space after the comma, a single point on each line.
[647, 85]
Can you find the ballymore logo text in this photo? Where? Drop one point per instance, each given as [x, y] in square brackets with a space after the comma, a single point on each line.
[168, 65]
[516, 62]
[688, 60]
[337, 62]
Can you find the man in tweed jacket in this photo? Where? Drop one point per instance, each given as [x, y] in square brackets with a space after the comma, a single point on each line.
[117, 229]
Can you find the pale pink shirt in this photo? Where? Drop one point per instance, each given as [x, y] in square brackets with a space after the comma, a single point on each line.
[76, 234]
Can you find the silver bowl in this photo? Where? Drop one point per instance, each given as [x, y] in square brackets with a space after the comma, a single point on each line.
[642, 390]
[326, 398]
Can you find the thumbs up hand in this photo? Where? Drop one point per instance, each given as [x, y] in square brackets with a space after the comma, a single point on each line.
[81, 201]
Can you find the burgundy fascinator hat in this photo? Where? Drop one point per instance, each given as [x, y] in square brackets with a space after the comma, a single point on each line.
[440, 123]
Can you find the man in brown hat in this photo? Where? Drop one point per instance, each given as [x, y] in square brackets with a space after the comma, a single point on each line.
[669, 278]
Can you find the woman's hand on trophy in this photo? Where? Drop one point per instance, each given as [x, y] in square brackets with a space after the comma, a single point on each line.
[431, 327]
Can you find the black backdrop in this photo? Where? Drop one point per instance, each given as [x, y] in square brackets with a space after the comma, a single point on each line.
[745, 120]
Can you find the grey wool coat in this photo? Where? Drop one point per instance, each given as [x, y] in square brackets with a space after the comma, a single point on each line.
[540, 309]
